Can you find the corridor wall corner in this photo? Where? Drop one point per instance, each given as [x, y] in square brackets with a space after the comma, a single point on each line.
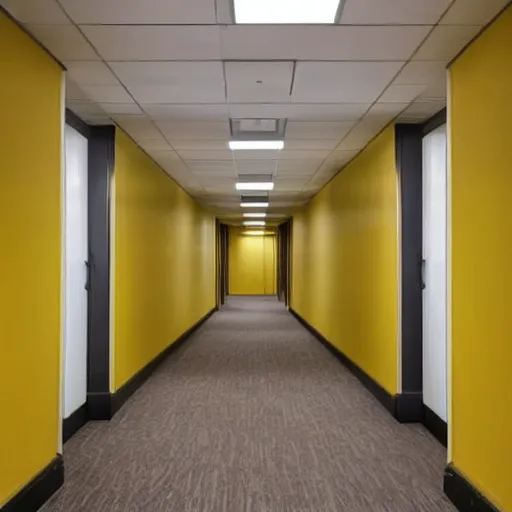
[480, 163]
[31, 125]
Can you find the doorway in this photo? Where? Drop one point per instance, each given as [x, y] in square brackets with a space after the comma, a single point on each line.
[75, 225]
[434, 265]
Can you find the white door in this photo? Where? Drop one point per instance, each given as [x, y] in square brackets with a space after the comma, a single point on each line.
[76, 254]
[434, 271]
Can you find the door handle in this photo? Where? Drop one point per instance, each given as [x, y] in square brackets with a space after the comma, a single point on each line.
[87, 275]
[422, 274]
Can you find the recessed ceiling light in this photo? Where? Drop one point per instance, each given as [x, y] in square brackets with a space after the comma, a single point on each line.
[263, 185]
[254, 223]
[286, 11]
[236, 145]
[254, 205]
[254, 233]
[255, 215]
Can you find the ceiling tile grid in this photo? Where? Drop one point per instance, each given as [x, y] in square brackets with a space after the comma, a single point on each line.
[176, 76]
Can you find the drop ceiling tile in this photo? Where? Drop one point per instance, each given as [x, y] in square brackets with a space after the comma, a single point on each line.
[126, 12]
[301, 112]
[383, 113]
[342, 81]
[446, 41]
[360, 136]
[187, 112]
[313, 42]
[73, 92]
[224, 173]
[401, 93]
[107, 93]
[421, 72]
[317, 130]
[393, 12]
[200, 145]
[81, 108]
[306, 153]
[210, 165]
[95, 120]
[181, 130]
[146, 42]
[139, 127]
[65, 42]
[473, 12]
[303, 144]
[157, 144]
[259, 82]
[121, 108]
[204, 154]
[256, 155]
[255, 166]
[434, 91]
[342, 156]
[90, 73]
[302, 166]
[173, 82]
[43, 12]
[423, 109]
[167, 159]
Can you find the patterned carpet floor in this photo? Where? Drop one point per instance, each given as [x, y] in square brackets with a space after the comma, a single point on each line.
[252, 414]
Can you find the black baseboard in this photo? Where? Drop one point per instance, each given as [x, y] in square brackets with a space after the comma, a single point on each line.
[103, 406]
[71, 425]
[438, 427]
[463, 495]
[39, 490]
[385, 398]
[409, 407]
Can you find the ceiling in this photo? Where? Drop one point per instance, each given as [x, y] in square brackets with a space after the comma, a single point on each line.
[172, 73]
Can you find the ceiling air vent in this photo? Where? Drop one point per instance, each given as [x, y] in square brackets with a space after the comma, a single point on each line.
[257, 129]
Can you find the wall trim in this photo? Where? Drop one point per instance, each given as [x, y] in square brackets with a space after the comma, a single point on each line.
[77, 123]
[72, 424]
[39, 490]
[434, 122]
[103, 406]
[463, 494]
[437, 426]
[409, 166]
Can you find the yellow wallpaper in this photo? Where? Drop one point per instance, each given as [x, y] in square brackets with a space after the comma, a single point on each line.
[345, 261]
[30, 259]
[252, 264]
[481, 161]
[164, 260]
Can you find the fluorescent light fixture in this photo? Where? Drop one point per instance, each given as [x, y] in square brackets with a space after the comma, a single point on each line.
[286, 11]
[254, 223]
[255, 215]
[262, 185]
[236, 145]
[254, 205]
[254, 233]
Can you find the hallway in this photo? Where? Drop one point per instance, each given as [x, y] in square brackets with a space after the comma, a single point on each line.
[251, 415]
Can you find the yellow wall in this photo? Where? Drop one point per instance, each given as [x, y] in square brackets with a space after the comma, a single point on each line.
[164, 260]
[345, 261]
[30, 258]
[481, 160]
[252, 264]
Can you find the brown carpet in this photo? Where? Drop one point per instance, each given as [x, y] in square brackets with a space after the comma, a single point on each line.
[252, 415]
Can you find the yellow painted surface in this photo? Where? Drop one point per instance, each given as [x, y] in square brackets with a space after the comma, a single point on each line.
[252, 264]
[481, 113]
[345, 261]
[164, 257]
[30, 258]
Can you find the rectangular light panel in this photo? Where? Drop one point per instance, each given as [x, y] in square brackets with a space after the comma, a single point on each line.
[236, 145]
[254, 205]
[254, 223]
[255, 186]
[286, 11]
[255, 215]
